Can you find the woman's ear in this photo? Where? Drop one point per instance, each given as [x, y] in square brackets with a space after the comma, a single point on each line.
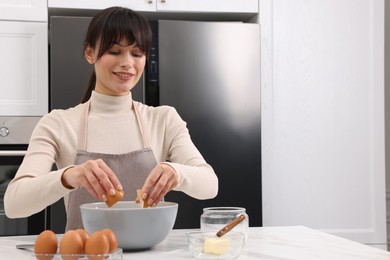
[89, 55]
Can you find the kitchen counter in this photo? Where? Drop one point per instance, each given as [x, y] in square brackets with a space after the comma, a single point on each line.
[295, 242]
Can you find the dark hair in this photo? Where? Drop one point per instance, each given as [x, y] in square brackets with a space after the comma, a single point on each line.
[111, 26]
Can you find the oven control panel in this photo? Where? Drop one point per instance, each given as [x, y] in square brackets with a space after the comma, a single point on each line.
[17, 130]
[4, 131]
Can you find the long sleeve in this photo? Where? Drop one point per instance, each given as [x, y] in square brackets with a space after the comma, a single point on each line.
[196, 177]
[112, 129]
[35, 185]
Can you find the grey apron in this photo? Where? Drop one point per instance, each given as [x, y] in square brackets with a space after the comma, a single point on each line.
[131, 169]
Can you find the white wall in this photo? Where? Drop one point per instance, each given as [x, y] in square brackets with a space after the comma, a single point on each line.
[387, 113]
[323, 116]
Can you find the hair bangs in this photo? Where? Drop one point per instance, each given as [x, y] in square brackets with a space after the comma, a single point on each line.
[123, 24]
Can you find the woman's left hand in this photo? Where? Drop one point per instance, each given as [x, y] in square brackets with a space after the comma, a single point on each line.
[162, 179]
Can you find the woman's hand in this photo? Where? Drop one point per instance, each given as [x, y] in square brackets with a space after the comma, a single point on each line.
[162, 179]
[95, 176]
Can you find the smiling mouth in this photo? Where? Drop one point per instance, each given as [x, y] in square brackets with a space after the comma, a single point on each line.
[124, 75]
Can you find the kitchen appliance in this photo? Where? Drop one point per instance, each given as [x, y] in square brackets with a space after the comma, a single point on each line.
[209, 71]
[14, 137]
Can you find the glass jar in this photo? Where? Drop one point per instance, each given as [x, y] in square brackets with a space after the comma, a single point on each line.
[215, 218]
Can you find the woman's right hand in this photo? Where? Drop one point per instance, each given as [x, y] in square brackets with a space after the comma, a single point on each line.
[95, 176]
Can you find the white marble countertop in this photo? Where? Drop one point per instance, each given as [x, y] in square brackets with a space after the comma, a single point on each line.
[296, 242]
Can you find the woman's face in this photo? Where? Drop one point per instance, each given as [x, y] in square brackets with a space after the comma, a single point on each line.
[118, 69]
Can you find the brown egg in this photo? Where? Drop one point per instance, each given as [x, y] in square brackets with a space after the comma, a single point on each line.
[112, 240]
[71, 243]
[46, 243]
[97, 244]
[84, 235]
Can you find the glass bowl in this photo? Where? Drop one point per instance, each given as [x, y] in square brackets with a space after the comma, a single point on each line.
[206, 245]
[215, 218]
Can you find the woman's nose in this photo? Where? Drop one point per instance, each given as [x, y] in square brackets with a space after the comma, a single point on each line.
[127, 61]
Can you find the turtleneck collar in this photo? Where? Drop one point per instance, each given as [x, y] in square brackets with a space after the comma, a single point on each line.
[103, 104]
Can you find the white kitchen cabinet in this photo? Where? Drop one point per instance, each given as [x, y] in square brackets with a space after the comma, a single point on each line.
[23, 68]
[139, 5]
[323, 139]
[231, 6]
[23, 10]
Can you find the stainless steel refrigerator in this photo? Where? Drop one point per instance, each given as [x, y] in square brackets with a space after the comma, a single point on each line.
[210, 72]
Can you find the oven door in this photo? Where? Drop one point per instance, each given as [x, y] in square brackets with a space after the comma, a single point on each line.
[15, 134]
[11, 157]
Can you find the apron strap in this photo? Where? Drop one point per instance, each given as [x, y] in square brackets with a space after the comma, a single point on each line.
[82, 135]
[141, 128]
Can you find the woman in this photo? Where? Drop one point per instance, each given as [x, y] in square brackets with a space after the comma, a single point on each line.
[109, 142]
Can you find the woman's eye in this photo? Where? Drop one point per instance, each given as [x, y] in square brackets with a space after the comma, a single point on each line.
[137, 54]
[113, 52]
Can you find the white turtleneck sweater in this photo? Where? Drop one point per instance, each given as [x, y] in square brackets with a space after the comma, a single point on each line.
[112, 129]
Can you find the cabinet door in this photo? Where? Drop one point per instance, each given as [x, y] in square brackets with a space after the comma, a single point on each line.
[231, 6]
[23, 69]
[23, 10]
[323, 117]
[228, 6]
[139, 5]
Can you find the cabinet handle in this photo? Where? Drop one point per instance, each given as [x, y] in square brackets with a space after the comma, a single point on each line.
[163, 1]
[150, 1]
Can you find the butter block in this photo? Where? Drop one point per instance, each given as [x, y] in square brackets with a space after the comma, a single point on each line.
[216, 246]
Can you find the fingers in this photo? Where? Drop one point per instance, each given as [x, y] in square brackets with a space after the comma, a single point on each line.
[96, 181]
[161, 180]
[112, 181]
[91, 189]
[101, 178]
[95, 176]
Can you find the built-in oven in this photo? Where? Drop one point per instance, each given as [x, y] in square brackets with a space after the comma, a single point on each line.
[15, 133]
